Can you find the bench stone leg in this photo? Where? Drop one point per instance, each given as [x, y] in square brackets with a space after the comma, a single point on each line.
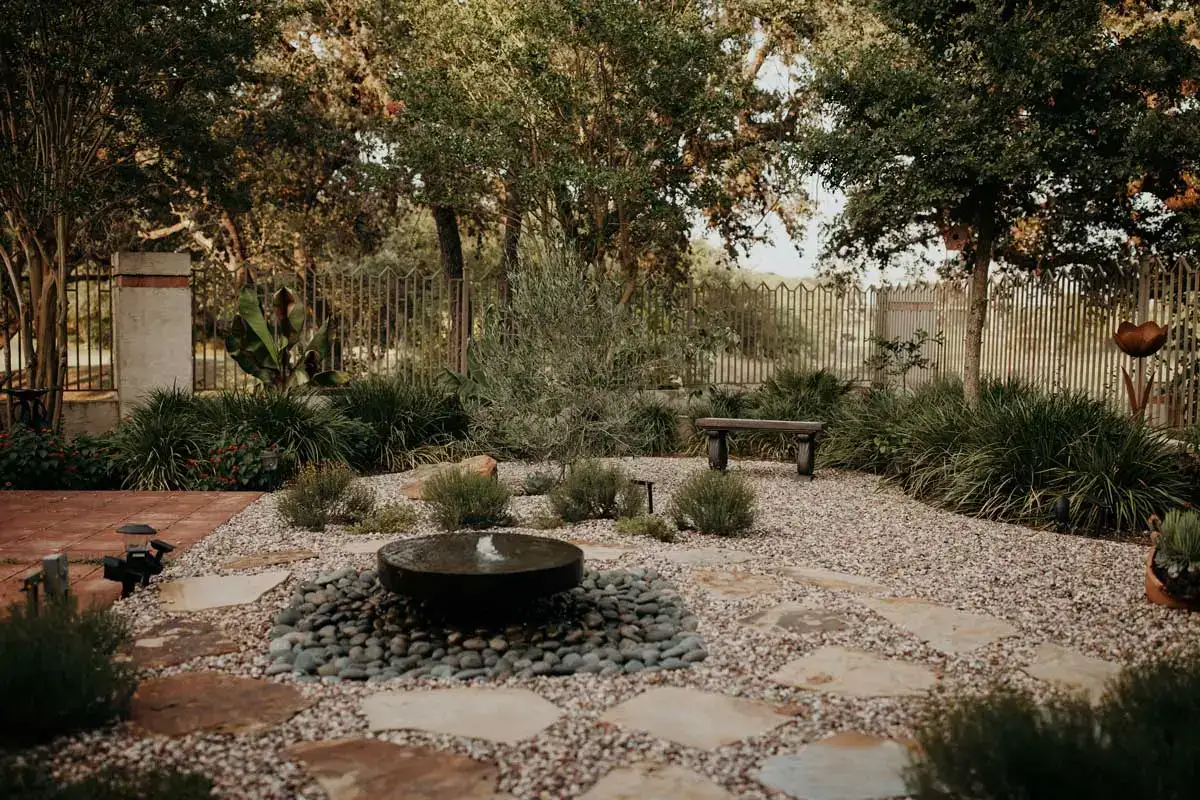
[718, 450]
[806, 456]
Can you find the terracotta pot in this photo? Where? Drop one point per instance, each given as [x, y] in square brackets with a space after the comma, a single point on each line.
[1157, 593]
[1140, 341]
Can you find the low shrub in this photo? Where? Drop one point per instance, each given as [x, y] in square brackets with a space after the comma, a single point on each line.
[710, 501]
[240, 466]
[59, 675]
[538, 483]
[403, 418]
[865, 434]
[591, 490]
[466, 500]
[648, 525]
[543, 522]
[324, 493]
[24, 779]
[44, 459]
[388, 518]
[1140, 740]
[654, 427]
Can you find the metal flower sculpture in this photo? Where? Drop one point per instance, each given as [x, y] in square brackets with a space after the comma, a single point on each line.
[1139, 341]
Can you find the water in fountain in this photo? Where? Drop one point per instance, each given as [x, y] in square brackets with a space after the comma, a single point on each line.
[485, 551]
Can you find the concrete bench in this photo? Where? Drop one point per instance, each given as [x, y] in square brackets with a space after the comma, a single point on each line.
[807, 434]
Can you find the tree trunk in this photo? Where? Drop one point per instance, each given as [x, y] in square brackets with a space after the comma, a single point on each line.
[450, 246]
[511, 257]
[977, 304]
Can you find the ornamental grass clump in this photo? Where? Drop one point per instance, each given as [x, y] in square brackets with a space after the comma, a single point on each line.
[466, 500]
[720, 503]
[1139, 741]
[648, 525]
[404, 421]
[654, 427]
[325, 493]
[591, 490]
[59, 674]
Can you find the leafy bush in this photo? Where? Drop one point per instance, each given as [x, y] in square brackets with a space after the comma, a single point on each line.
[404, 419]
[591, 490]
[711, 501]
[647, 525]
[43, 459]
[538, 483]
[22, 779]
[1140, 741]
[58, 674]
[553, 376]
[243, 466]
[324, 493]
[654, 427]
[388, 518]
[466, 500]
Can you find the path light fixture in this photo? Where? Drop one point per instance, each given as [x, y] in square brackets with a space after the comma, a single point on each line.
[1139, 342]
[649, 495]
[143, 558]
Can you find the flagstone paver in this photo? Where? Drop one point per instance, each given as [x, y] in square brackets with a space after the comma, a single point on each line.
[828, 579]
[601, 553]
[855, 673]
[655, 782]
[218, 591]
[269, 559]
[1072, 670]
[176, 641]
[799, 618]
[709, 557]
[498, 715]
[369, 769]
[947, 629]
[360, 546]
[212, 701]
[704, 720]
[734, 584]
[848, 766]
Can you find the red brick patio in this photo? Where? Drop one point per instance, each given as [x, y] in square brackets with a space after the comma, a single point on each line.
[83, 525]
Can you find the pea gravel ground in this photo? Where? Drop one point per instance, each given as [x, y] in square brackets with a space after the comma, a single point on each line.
[1081, 593]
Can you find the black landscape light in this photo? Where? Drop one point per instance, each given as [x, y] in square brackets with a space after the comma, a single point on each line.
[649, 495]
[143, 558]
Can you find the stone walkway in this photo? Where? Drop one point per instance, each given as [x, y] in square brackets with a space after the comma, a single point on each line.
[848, 765]
[83, 525]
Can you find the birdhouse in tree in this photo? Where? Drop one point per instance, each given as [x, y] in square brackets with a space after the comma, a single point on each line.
[956, 237]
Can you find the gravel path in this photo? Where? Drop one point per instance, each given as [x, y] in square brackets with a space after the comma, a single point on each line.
[1079, 593]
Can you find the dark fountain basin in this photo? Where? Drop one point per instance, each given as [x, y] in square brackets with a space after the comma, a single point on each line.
[483, 571]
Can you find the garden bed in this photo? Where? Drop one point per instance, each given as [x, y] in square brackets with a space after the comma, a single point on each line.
[839, 564]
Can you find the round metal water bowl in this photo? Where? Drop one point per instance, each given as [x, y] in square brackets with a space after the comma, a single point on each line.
[479, 570]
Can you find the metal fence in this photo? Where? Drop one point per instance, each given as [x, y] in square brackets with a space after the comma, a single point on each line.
[89, 334]
[1047, 332]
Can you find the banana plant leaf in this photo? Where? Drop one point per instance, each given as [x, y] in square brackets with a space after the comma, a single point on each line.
[289, 315]
[250, 312]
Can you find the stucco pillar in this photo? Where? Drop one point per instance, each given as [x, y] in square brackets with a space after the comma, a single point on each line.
[152, 324]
